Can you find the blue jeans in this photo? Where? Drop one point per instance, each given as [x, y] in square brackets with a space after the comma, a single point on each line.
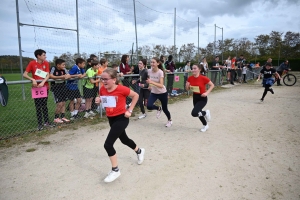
[164, 103]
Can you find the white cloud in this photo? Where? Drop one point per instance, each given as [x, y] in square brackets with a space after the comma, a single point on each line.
[108, 24]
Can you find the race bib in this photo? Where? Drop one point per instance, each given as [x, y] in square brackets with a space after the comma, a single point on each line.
[108, 101]
[37, 93]
[195, 89]
[40, 73]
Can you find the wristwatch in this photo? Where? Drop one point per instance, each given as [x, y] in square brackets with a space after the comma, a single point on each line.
[129, 111]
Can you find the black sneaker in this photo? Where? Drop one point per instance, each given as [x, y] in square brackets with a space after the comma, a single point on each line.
[49, 125]
[271, 90]
[261, 100]
[40, 127]
[232, 83]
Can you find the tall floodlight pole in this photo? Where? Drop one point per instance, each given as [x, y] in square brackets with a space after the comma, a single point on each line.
[136, 39]
[222, 38]
[198, 41]
[20, 48]
[77, 27]
[215, 42]
[174, 51]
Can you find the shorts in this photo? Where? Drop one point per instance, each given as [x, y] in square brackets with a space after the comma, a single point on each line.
[73, 94]
[90, 93]
[60, 94]
[239, 72]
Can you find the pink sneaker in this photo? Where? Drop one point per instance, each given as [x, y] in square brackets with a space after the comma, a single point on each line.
[57, 120]
[65, 119]
[169, 123]
[158, 112]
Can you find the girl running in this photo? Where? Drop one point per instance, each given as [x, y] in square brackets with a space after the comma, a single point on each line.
[113, 98]
[158, 90]
[268, 81]
[197, 83]
[144, 90]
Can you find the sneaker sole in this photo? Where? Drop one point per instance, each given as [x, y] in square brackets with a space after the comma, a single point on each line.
[106, 181]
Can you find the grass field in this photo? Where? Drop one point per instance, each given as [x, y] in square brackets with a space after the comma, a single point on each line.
[19, 116]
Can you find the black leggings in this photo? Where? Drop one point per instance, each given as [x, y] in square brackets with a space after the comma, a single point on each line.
[118, 125]
[170, 81]
[41, 110]
[143, 98]
[199, 103]
[164, 103]
[267, 88]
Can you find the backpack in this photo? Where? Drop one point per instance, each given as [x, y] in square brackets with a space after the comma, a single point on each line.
[3, 91]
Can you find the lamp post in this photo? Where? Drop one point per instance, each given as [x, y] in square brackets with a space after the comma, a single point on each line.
[215, 40]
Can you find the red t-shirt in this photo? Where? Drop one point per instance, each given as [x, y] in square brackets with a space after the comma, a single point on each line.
[200, 81]
[120, 93]
[34, 65]
[233, 64]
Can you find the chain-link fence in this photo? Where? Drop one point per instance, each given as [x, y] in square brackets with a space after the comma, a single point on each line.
[30, 110]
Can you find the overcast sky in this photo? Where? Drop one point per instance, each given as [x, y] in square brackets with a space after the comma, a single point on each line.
[108, 25]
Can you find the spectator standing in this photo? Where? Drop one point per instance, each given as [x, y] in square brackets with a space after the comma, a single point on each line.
[39, 70]
[78, 72]
[118, 117]
[170, 68]
[90, 90]
[233, 70]
[240, 64]
[205, 65]
[216, 69]
[228, 67]
[59, 73]
[187, 69]
[126, 70]
[197, 83]
[244, 72]
[162, 61]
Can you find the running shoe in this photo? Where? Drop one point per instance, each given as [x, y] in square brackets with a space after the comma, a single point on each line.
[204, 128]
[58, 120]
[92, 113]
[158, 112]
[65, 119]
[140, 156]
[207, 116]
[86, 115]
[169, 123]
[112, 175]
[271, 90]
[142, 116]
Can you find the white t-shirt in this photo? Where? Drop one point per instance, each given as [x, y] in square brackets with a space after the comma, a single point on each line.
[228, 64]
[155, 77]
[244, 70]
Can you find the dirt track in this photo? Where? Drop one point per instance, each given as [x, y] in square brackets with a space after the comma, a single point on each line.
[251, 151]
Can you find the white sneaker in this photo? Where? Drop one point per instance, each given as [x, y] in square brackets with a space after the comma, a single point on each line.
[142, 116]
[86, 115]
[207, 116]
[141, 156]
[204, 128]
[92, 114]
[169, 123]
[158, 113]
[112, 175]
